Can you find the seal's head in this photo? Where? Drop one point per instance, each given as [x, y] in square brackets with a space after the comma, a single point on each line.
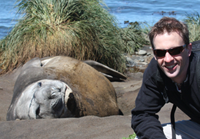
[43, 99]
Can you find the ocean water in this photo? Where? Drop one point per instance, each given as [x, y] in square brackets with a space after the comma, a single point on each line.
[149, 11]
[8, 17]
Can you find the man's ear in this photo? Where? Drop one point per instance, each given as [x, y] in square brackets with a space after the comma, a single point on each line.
[189, 49]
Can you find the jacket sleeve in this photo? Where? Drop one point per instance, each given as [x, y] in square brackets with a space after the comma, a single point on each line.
[148, 102]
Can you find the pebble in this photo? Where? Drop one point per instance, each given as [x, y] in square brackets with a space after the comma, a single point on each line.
[141, 52]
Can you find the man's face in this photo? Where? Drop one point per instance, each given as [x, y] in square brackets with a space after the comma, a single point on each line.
[175, 67]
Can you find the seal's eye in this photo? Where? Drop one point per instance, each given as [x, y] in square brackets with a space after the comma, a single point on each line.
[54, 92]
[54, 89]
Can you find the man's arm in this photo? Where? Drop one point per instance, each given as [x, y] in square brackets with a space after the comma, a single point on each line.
[149, 101]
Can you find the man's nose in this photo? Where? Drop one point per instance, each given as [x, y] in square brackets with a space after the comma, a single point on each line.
[168, 57]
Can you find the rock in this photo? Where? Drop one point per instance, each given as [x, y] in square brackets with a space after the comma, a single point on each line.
[129, 62]
[148, 53]
[141, 52]
[144, 63]
[142, 60]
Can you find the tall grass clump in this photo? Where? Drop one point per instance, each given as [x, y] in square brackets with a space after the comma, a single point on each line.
[77, 28]
[134, 37]
[193, 22]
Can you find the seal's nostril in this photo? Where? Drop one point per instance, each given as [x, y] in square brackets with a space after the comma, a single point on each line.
[59, 89]
[38, 111]
[57, 105]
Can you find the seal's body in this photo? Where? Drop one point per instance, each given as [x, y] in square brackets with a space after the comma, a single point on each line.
[80, 90]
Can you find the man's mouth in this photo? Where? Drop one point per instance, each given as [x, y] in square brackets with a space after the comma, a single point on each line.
[171, 67]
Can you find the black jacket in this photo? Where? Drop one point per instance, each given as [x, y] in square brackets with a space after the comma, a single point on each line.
[150, 98]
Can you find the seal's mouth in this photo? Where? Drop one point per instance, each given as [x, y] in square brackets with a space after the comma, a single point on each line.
[38, 113]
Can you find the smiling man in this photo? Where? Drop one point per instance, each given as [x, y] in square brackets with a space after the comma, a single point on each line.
[172, 76]
[174, 66]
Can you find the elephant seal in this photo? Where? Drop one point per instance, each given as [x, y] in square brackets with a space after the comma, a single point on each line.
[80, 90]
[108, 72]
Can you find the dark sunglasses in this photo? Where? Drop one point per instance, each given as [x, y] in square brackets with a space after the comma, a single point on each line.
[173, 51]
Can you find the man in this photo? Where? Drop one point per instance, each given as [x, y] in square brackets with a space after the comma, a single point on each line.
[171, 76]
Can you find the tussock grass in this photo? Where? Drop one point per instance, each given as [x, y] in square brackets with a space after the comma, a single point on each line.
[193, 22]
[134, 37]
[78, 28]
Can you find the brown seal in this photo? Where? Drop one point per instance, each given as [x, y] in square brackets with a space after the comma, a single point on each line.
[92, 93]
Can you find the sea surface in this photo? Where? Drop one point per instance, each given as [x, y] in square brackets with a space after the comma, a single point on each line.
[149, 11]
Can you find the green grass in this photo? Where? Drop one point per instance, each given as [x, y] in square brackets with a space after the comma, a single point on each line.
[130, 136]
[133, 37]
[193, 22]
[77, 28]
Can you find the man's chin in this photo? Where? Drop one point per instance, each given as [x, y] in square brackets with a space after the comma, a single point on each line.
[171, 75]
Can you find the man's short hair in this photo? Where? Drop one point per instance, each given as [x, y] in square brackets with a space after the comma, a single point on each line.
[169, 24]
